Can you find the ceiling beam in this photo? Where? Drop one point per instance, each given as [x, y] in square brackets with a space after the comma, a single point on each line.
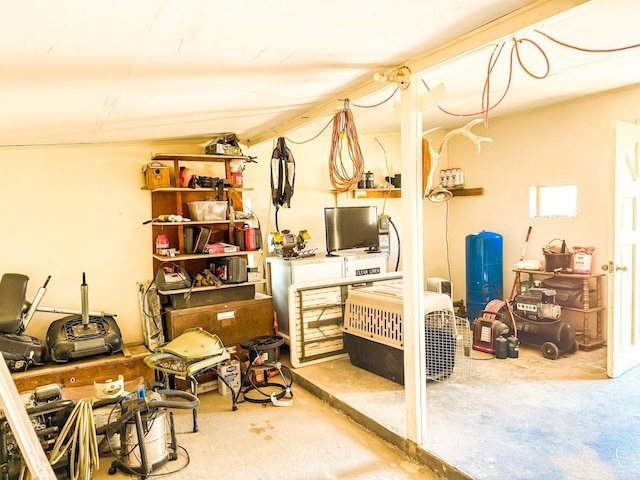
[501, 27]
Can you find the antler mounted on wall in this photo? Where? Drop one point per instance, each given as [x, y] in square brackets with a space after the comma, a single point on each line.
[434, 155]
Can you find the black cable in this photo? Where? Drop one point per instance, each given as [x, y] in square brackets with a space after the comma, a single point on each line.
[398, 238]
[284, 386]
[446, 238]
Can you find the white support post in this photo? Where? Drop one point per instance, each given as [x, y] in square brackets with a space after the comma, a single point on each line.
[413, 264]
[21, 426]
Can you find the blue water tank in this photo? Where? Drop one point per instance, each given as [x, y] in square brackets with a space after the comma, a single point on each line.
[483, 252]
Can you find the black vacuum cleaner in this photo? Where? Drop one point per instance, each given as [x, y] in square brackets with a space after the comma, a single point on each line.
[83, 334]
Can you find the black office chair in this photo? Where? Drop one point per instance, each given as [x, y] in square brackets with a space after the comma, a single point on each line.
[20, 351]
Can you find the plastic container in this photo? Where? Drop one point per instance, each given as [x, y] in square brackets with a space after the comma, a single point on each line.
[236, 179]
[557, 261]
[208, 210]
[230, 370]
[162, 244]
[184, 177]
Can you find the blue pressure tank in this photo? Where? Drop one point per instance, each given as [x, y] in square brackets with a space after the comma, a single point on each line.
[483, 252]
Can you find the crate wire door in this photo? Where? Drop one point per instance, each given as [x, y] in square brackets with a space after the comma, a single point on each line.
[448, 344]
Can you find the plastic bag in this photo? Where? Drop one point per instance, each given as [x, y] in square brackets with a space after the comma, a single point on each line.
[582, 257]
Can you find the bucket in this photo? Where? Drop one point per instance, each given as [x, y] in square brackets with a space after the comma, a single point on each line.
[557, 261]
[236, 179]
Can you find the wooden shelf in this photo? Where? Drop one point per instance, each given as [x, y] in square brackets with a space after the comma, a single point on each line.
[376, 193]
[199, 157]
[199, 256]
[198, 189]
[192, 222]
[397, 192]
[207, 288]
[585, 341]
[467, 192]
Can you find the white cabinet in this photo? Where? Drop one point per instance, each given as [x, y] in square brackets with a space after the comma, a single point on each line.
[309, 295]
[357, 265]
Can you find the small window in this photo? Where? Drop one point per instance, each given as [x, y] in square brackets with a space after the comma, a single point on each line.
[553, 201]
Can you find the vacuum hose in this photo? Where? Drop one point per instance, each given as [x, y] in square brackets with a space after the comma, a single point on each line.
[188, 402]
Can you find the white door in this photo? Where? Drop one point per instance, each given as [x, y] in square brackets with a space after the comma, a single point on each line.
[624, 318]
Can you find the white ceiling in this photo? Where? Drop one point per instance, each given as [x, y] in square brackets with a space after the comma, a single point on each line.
[88, 71]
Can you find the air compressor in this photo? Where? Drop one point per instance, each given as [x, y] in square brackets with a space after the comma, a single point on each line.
[532, 317]
[537, 319]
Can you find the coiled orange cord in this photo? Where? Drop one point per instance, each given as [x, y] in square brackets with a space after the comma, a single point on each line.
[343, 125]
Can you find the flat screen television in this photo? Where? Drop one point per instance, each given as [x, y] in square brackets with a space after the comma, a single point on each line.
[351, 227]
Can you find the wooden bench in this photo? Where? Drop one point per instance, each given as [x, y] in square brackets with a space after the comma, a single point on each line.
[128, 363]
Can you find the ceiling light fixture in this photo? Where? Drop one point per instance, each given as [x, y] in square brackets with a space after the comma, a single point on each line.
[401, 76]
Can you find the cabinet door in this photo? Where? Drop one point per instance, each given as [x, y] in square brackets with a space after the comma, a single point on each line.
[233, 322]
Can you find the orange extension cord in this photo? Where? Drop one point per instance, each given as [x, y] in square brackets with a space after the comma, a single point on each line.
[343, 125]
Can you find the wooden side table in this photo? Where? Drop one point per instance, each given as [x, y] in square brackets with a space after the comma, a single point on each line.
[585, 342]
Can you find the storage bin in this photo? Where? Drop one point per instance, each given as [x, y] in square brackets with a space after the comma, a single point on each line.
[156, 175]
[208, 210]
[557, 261]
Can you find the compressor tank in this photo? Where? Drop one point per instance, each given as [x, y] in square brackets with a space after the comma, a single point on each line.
[483, 253]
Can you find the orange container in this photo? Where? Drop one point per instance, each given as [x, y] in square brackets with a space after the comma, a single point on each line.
[236, 179]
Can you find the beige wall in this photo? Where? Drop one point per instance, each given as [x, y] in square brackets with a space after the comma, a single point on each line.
[69, 210]
[566, 143]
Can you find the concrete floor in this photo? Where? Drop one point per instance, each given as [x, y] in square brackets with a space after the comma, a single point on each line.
[523, 418]
[310, 441]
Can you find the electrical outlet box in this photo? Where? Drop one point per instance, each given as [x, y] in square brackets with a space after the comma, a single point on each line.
[383, 224]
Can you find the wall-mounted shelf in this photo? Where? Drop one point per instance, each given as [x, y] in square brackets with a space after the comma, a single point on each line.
[376, 193]
[397, 192]
[467, 192]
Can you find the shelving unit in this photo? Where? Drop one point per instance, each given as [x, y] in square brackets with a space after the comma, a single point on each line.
[585, 342]
[175, 200]
[233, 311]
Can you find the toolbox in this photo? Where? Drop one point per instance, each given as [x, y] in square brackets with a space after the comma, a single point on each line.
[231, 269]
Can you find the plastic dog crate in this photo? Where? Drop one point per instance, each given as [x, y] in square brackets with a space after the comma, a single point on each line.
[373, 334]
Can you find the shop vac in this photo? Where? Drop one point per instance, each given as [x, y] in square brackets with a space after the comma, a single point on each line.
[145, 430]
